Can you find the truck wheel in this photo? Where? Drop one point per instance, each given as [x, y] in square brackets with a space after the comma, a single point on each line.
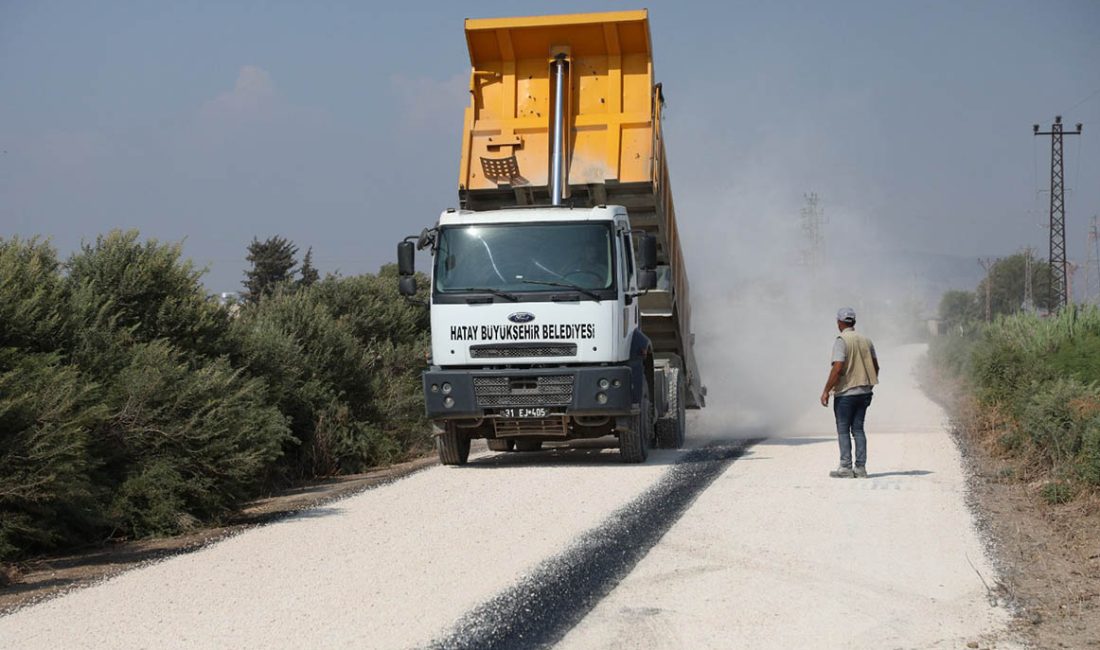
[528, 445]
[453, 446]
[501, 444]
[672, 428]
[635, 441]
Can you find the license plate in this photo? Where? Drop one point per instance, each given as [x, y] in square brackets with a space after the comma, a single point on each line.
[524, 413]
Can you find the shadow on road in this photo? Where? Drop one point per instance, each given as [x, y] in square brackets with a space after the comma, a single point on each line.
[910, 472]
[798, 442]
[602, 452]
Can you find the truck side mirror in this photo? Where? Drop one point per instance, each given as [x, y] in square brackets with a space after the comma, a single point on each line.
[406, 256]
[406, 286]
[649, 253]
[647, 280]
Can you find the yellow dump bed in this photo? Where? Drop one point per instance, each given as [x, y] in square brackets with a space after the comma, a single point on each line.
[614, 151]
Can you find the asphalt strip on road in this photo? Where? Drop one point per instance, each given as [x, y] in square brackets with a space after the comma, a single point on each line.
[540, 609]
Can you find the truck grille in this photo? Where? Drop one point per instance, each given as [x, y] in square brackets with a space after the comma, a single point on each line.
[550, 390]
[515, 350]
[533, 427]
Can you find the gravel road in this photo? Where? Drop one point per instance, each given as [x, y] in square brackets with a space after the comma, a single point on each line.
[737, 542]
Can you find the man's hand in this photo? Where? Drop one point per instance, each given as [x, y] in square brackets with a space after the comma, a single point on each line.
[834, 377]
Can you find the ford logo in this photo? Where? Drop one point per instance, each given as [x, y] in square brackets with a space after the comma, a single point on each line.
[521, 317]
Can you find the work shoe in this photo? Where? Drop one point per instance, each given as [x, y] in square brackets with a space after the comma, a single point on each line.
[860, 472]
[842, 472]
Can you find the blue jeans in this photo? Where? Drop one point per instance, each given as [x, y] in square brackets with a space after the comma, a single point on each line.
[850, 410]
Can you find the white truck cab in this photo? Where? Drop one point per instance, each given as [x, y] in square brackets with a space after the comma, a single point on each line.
[535, 328]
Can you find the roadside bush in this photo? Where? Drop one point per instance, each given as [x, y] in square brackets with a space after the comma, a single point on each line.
[132, 405]
[951, 353]
[31, 295]
[1079, 357]
[1044, 372]
[185, 441]
[374, 309]
[149, 290]
[1057, 492]
[47, 496]
[1051, 418]
[345, 445]
[1090, 452]
[310, 361]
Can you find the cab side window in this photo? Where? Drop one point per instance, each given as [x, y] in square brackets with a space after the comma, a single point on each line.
[628, 255]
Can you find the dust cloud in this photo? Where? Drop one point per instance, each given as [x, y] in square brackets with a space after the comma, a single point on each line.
[765, 320]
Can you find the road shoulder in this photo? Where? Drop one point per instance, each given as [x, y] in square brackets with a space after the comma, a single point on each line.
[46, 577]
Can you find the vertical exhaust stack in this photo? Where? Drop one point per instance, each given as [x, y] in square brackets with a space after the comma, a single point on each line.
[561, 106]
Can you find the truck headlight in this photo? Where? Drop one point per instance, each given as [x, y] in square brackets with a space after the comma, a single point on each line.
[617, 383]
[601, 398]
[447, 388]
[448, 401]
[604, 384]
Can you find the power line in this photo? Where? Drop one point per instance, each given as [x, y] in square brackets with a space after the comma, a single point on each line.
[1091, 95]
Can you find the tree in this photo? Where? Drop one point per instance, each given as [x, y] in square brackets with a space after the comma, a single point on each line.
[272, 264]
[309, 273]
[1007, 282]
[959, 308]
[144, 290]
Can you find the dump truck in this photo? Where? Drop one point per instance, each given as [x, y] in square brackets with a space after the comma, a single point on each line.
[559, 294]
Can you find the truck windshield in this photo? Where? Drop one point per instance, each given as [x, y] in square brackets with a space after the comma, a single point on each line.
[524, 257]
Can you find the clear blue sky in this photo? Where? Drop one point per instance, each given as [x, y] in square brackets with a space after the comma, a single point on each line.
[336, 124]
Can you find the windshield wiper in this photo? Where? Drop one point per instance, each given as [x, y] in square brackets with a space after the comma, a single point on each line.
[567, 285]
[495, 292]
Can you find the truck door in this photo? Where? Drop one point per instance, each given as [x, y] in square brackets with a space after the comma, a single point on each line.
[630, 285]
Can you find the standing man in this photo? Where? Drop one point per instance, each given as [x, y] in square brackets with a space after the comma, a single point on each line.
[853, 376]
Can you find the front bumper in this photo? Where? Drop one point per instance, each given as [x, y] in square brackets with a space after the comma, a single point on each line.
[562, 391]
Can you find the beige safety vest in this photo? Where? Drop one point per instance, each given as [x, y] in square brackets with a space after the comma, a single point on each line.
[859, 370]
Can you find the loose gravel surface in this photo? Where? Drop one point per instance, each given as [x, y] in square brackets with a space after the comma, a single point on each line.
[736, 543]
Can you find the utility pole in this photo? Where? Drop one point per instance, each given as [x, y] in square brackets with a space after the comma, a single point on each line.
[1029, 294]
[1059, 273]
[1092, 266]
[987, 264]
[1071, 270]
[813, 232]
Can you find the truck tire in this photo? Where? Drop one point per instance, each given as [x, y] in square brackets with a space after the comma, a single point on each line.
[501, 444]
[528, 445]
[672, 428]
[635, 441]
[453, 446]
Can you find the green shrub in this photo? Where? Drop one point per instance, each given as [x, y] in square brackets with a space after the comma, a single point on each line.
[148, 289]
[1057, 492]
[373, 308]
[1002, 374]
[1051, 419]
[1012, 440]
[1079, 357]
[309, 360]
[47, 496]
[345, 445]
[152, 501]
[1089, 464]
[208, 425]
[951, 353]
[130, 403]
[32, 297]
